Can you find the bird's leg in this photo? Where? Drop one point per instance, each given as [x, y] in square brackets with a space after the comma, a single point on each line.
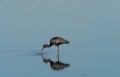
[58, 57]
[58, 48]
[57, 51]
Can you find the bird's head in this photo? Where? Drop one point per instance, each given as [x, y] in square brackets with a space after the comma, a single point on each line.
[45, 46]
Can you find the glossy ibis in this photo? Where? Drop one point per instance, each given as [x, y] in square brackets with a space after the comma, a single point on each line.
[55, 41]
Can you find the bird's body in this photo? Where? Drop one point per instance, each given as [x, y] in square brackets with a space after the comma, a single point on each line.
[56, 41]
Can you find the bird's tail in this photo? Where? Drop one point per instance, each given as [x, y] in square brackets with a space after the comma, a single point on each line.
[67, 42]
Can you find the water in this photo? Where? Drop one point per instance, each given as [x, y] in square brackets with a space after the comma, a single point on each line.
[92, 27]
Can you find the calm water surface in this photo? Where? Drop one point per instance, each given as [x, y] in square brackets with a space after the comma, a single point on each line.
[92, 27]
[75, 60]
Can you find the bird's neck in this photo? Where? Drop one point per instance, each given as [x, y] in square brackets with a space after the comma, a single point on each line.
[50, 44]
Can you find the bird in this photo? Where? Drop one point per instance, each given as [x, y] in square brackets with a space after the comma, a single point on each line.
[56, 41]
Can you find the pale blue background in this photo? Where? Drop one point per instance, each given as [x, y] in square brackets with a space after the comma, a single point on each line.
[92, 26]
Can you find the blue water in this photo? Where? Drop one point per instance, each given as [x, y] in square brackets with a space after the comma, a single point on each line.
[92, 27]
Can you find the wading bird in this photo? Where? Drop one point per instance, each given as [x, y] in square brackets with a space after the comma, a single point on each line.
[55, 41]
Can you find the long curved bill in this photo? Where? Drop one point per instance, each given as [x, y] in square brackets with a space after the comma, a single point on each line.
[42, 49]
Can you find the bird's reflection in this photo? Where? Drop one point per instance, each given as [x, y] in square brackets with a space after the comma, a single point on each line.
[55, 65]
